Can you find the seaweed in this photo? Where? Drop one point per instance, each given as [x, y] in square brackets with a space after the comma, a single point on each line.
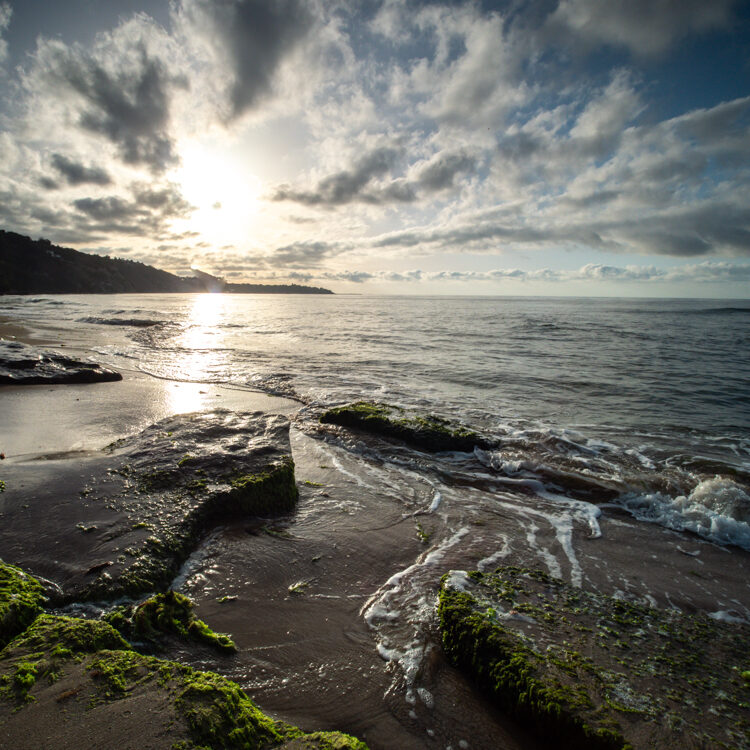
[21, 599]
[425, 431]
[170, 613]
[593, 670]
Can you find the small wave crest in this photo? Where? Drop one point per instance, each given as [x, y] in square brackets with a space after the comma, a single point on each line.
[129, 322]
[717, 509]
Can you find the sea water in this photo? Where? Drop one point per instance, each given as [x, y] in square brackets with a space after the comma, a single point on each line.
[651, 395]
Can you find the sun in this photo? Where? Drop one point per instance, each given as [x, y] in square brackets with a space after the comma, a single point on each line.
[224, 192]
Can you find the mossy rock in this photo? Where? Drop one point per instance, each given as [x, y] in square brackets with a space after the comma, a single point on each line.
[425, 431]
[196, 709]
[169, 614]
[21, 599]
[173, 482]
[594, 671]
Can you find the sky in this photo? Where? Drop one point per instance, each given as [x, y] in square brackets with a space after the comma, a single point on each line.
[556, 147]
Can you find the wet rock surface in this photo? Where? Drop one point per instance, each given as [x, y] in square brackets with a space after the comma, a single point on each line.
[21, 364]
[425, 431]
[104, 524]
[171, 484]
[597, 671]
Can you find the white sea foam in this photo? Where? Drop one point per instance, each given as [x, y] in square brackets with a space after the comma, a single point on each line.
[731, 616]
[399, 610]
[717, 509]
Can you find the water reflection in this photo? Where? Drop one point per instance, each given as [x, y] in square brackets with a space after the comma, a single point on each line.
[200, 355]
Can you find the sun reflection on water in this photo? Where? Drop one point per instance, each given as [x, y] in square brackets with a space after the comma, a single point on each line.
[199, 354]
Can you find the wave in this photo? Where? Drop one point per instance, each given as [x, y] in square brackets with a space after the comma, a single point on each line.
[129, 322]
[718, 509]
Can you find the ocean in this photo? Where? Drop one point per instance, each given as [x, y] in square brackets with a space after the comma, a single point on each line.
[622, 432]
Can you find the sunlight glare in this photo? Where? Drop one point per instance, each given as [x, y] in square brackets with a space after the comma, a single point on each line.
[201, 347]
[225, 194]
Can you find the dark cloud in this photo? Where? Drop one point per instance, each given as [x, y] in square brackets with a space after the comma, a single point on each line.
[48, 183]
[302, 254]
[354, 184]
[147, 214]
[129, 106]
[359, 183]
[107, 209]
[702, 229]
[77, 174]
[441, 171]
[256, 35]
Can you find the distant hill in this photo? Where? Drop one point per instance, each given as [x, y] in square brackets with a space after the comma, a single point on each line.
[38, 267]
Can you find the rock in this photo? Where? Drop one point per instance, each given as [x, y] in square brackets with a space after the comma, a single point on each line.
[21, 599]
[21, 364]
[172, 483]
[594, 671]
[164, 616]
[424, 431]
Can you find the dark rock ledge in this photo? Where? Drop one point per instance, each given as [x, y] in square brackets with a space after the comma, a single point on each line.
[169, 485]
[425, 431]
[21, 364]
[593, 671]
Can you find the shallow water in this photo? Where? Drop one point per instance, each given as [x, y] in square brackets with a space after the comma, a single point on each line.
[622, 465]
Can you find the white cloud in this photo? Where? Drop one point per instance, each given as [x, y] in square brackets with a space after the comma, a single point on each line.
[701, 273]
[645, 27]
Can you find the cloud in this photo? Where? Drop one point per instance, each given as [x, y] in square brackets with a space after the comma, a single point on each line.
[77, 174]
[302, 254]
[5, 14]
[360, 184]
[147, 214]
[354, 184]
[702, 273]
[248, 38]
[119, 89]
[442, 169]
[644, 27]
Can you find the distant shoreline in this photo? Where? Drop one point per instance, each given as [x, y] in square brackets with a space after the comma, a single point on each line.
[38, 267]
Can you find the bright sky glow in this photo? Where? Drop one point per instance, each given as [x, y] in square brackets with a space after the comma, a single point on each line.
[388, 146]
[224, 193]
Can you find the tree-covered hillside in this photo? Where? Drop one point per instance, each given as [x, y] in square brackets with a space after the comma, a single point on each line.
[38, 267]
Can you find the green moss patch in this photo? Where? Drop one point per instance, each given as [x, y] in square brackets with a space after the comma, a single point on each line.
[21, 598]
[209, 709]
[169, 614]
[594, 671]
[425, 431]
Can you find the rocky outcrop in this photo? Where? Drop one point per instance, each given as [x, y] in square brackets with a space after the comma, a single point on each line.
[171, 484]
[593, 671]
[21, 364]
[425, 431]
[21, 599]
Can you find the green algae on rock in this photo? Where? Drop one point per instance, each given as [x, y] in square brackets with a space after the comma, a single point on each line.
[426, 431]
[595, 671]
[66, 671]
[21, 598]
[172, 483]
[168, 614]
